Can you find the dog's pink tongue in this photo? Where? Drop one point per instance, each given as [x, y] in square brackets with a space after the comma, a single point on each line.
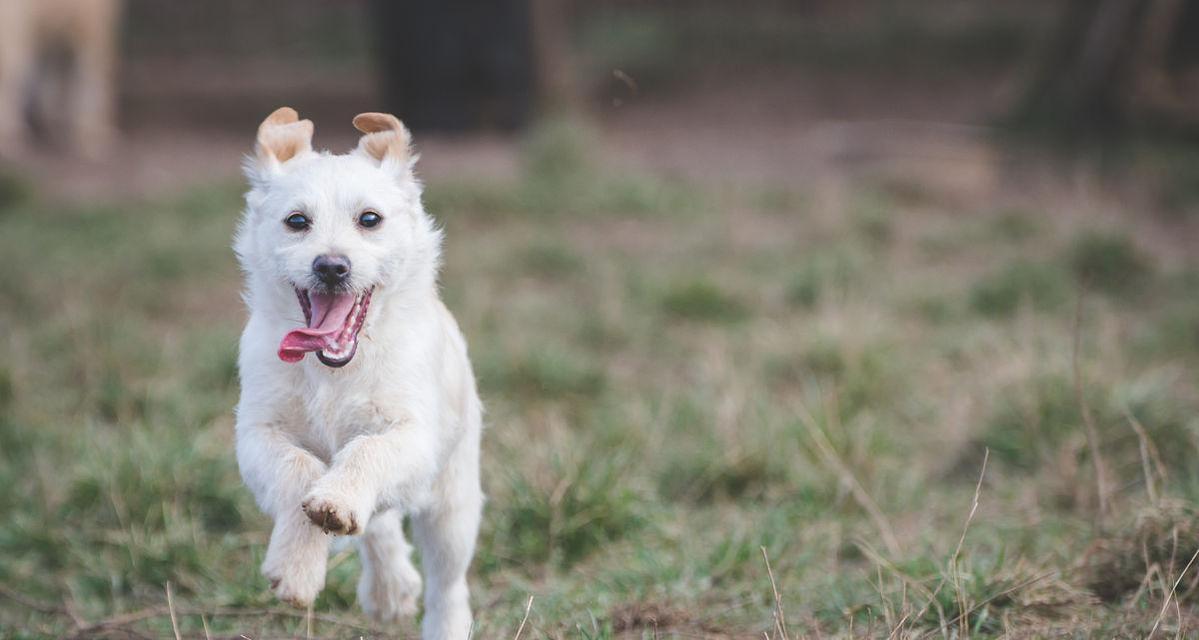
[329, 314]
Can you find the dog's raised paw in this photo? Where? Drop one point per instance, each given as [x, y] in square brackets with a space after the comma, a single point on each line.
[330, 517]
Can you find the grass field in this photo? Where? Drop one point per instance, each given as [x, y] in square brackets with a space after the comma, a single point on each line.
[682, 380]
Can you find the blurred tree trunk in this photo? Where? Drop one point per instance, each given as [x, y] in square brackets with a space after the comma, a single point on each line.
[1082, 75]
[556, 90]
[1110, 64]
[1181, 45]
[456, 65]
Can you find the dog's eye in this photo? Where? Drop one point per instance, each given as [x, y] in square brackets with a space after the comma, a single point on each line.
[370, 219]
[297, 221]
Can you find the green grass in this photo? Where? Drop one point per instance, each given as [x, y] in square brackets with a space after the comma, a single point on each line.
[665, 400]
[1043, 287]
[562, 518]
[1109, 261]
[872, 213]
[1017, 225]
[704, 301]
[541, 374]
[14, 190]
[821, 275]
[561, 178]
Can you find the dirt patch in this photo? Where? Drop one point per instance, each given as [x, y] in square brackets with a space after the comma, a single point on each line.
[632, 618]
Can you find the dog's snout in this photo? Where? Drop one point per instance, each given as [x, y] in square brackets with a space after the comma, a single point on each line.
[331, 269]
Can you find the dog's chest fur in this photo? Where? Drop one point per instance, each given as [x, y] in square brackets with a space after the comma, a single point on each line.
[333, 415]
[331, 408]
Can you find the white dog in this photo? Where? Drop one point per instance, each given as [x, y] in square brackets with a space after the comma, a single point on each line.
[341, 259]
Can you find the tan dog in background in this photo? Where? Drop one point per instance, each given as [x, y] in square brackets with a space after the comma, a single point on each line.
[31, 31]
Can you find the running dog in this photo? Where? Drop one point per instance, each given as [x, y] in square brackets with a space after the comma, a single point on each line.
[341, 262]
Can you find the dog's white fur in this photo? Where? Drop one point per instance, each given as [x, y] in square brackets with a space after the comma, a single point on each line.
[87, 30]
[396, 431]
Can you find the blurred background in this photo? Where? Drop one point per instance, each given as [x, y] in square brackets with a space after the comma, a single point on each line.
[805, 318]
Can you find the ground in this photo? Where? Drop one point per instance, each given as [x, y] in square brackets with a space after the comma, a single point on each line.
[745, 374]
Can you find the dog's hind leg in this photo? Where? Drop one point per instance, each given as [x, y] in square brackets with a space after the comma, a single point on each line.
[446, 535]
[389, 584]
[93, 103]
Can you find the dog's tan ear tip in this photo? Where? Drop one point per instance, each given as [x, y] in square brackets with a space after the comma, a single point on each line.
[282, 115]
[283, 136]
[376, 122]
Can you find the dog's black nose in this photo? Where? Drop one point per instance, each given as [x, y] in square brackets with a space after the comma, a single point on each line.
[331, 270]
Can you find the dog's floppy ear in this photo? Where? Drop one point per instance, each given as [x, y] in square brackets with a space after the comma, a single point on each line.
[385, 139]
[283, 136]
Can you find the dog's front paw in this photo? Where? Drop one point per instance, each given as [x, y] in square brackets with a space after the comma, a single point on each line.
[297, 588]
[296, 579]
[334, 513]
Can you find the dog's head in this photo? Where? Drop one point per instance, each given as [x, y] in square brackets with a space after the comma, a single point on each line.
[334, 232]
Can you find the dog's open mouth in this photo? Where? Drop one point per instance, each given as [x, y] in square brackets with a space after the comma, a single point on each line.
[334, 320]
